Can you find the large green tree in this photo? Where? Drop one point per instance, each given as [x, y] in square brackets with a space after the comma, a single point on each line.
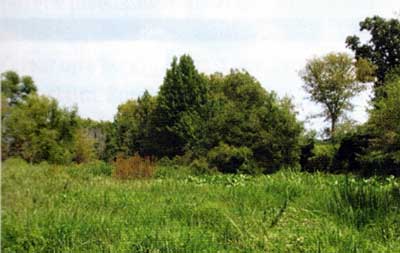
[384, 126]
[145, 111]
[127, 126]
[134, 126]
[383, 47]
[332, 80]
[243, 114]
[38, 129]
[179, 110]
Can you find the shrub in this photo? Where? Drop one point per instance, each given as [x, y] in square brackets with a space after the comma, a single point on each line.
[350, 149]
[200, 166]
[306, 153]
[133, 167]
[230, 159]
[321, 159]
[165, 161]
[183, 160]
[379, 163]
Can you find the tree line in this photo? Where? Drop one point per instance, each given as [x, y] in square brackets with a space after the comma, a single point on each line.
[227, 122]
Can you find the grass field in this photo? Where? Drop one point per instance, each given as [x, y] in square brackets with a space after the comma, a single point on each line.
[47, 208]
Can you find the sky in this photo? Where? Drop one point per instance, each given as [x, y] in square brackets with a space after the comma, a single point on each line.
[97, 54]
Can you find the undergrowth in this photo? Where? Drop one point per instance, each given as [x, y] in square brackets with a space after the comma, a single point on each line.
[83, 208]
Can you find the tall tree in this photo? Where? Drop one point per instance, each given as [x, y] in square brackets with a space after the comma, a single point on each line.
[127, 126]
[382, 49]
[332, 81]
[384, 124]
[180, 102]
[145, 110]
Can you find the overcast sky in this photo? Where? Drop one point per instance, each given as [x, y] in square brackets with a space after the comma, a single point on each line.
[97, 54]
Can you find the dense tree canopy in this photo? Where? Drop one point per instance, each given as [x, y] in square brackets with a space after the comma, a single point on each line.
[382, 49]
[265, 124]
[104, 135]
[127, 126]
[384, 126]
[134, 126]
[179, 109]
[38, 129]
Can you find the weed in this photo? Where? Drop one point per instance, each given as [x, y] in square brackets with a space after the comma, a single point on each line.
[133, 167]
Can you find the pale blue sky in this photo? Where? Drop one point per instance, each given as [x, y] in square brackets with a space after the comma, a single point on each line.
[98, 54]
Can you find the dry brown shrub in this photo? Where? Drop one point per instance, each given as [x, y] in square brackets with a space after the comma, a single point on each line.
[134, 167]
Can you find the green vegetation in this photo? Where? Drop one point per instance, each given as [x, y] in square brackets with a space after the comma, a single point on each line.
[38, 130]
[80, 208]
[332, 81]
[212, 163]
[382, 49]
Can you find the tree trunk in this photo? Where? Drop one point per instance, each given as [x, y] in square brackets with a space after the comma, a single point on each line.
[333, 128]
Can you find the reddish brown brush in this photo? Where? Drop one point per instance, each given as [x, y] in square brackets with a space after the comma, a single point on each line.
[134, 167]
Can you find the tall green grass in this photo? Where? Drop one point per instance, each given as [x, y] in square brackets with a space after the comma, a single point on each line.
[48, 208]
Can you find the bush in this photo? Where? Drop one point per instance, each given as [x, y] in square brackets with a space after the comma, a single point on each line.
[230, 159]
[133, 167]
[379, 163]
[306, 152]
[165, 161]
[321, 159]
[183, 160]
[200, 166]
[350, 149]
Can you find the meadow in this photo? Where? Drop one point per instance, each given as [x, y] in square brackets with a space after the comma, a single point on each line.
[83, 208]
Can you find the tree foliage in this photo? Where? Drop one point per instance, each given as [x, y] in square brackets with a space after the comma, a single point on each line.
[177, 122]
[384, 125]
[244, 114]
[16, 88]
[230, 159]
[38, 129]
[84, 149]
[382, 49]
[224, 122]
[127, 126]
[134, 126]
[104, 136]
[179, 108]
[332, 80]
